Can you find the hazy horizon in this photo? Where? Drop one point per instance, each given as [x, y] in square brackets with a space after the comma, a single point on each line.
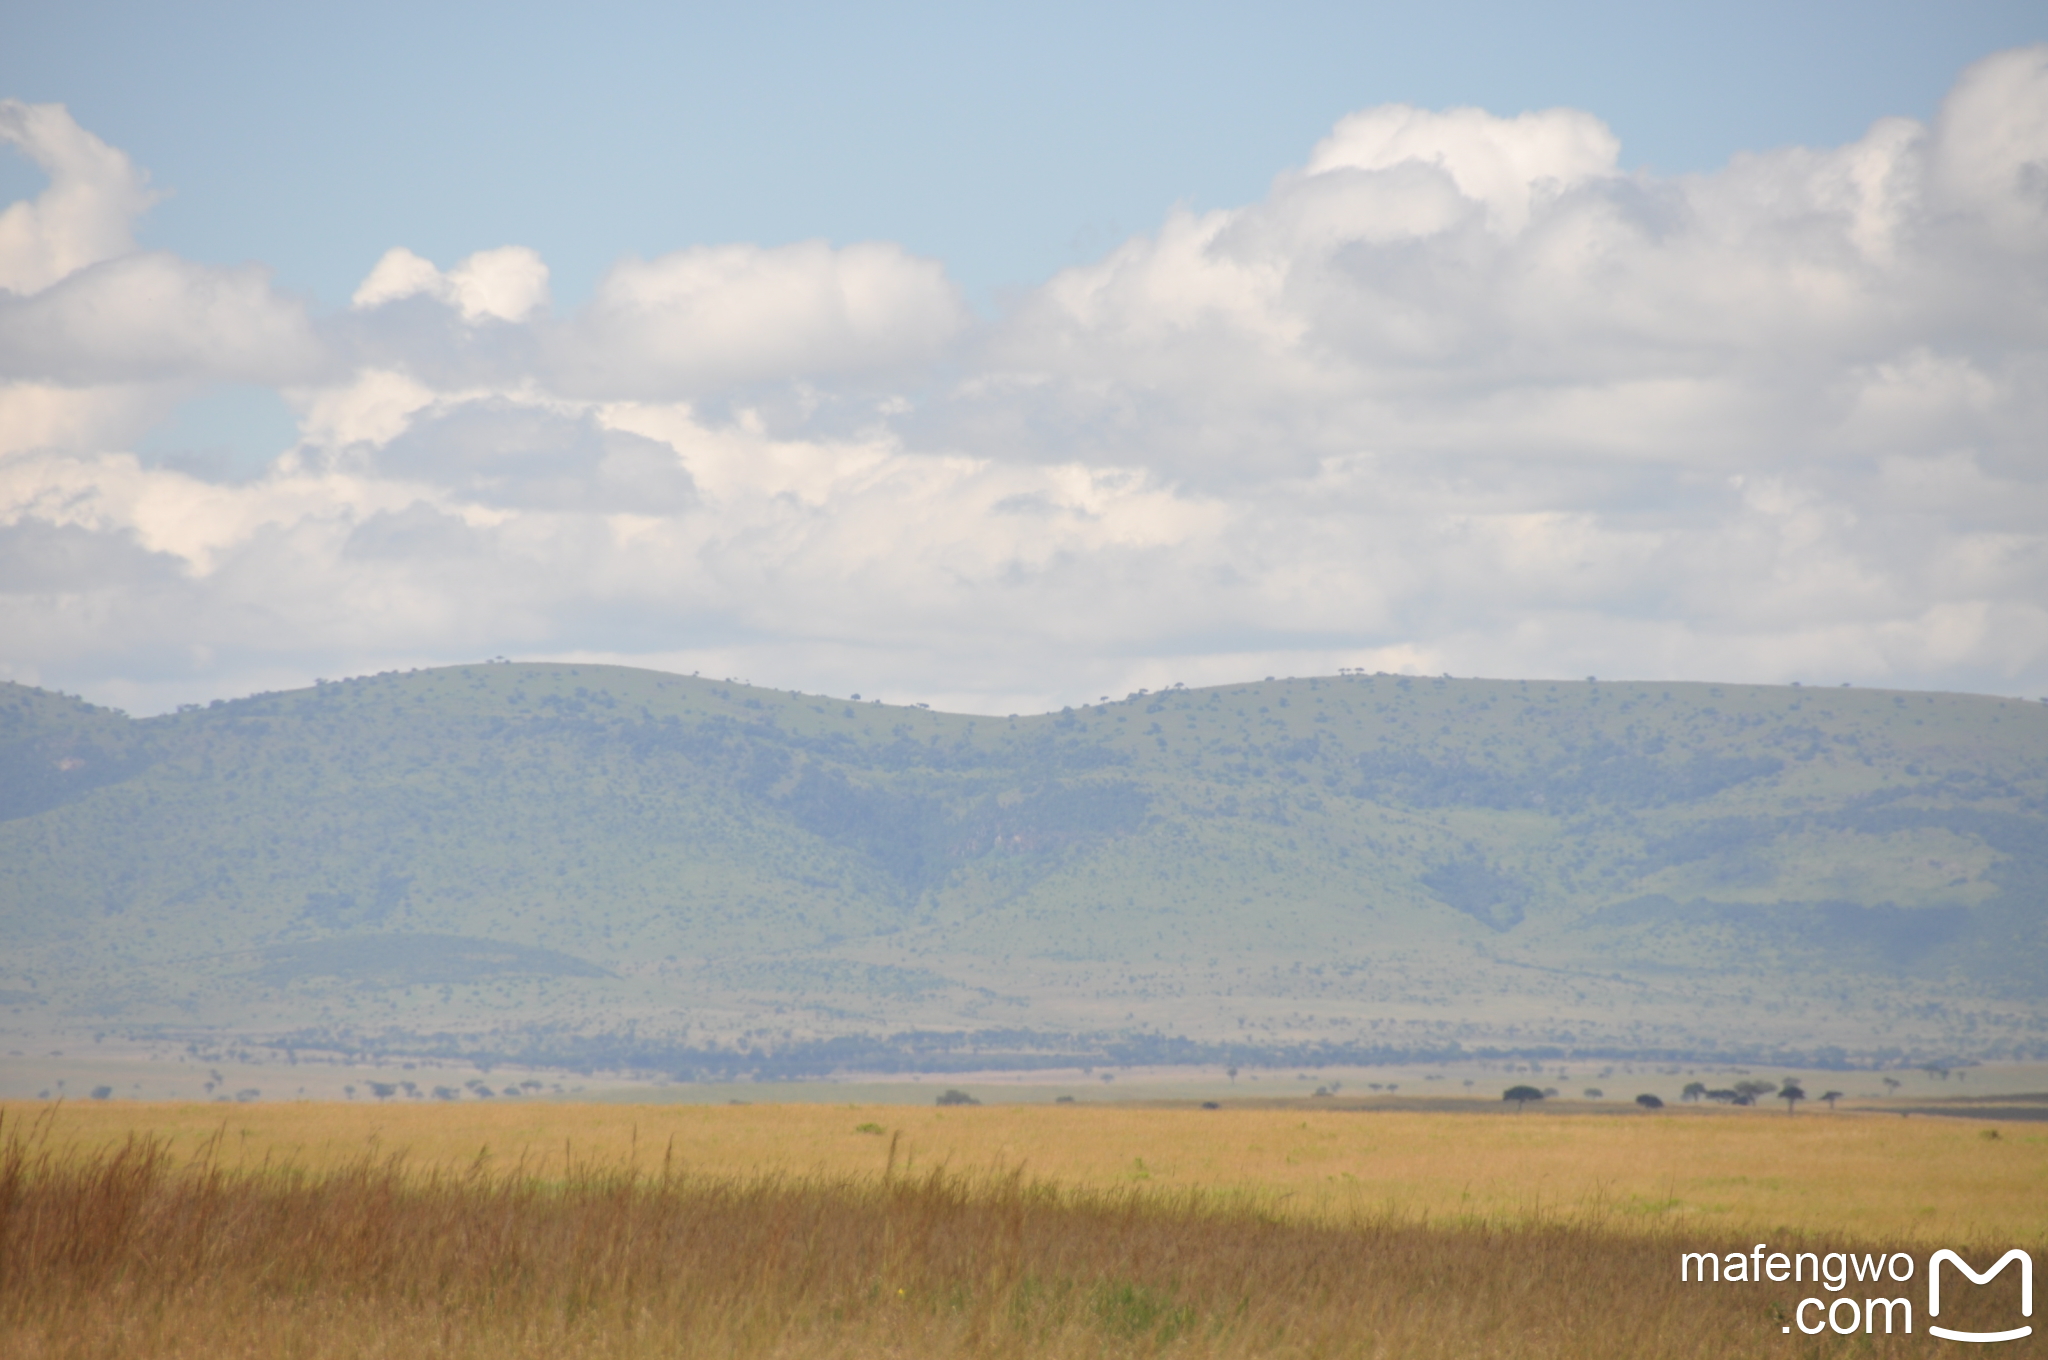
[901, 701]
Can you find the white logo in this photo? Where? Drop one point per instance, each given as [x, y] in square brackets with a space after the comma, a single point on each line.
[1934, 1293]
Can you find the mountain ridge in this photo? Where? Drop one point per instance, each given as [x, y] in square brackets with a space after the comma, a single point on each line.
[506, 854]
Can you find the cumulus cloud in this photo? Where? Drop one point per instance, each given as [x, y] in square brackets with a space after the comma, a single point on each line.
[48, 415]
[155, 317]
[507, 454]
[698, 320]
[506, 284]
[1991, 148]
[1504, 164]
[86, 214]
[1460, 392]
[1459, 285]
[99, 341]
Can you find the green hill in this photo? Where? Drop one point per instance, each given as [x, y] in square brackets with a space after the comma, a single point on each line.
[588, 863]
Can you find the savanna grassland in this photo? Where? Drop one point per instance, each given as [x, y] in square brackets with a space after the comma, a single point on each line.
[561, 1230]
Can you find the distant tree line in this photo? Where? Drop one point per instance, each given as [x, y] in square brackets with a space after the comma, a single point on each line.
[940, 1052]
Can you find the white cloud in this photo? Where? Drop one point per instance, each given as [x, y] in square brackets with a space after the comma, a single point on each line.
[92, 331]
[509, 283]
[85, 215]
[1502, 163]
[155, 317]
[401, 274]
[702, 319]
[510, 454]
[47, 415]
[1459, 393]
[1991, 147]
[373, 407]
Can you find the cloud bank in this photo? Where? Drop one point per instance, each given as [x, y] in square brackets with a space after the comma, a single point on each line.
[1460, 393]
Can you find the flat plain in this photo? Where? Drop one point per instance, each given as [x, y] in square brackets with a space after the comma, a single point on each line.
[1864, 1176]
[530, 1229]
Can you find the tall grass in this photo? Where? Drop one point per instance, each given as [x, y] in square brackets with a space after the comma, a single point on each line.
[1915, 1182]
[128, 1251]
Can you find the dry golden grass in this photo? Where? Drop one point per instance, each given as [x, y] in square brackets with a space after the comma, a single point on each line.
[1914, 1181]
[286, 1231]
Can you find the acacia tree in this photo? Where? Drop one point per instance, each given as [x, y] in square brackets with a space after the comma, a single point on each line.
[1831, 1097]
[1792, 1093]
[1521, 1095]
[1693, 1090]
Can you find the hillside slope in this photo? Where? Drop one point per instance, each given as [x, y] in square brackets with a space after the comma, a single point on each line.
[560, 860]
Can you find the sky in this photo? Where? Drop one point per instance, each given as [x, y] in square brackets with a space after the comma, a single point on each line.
[1003, 360]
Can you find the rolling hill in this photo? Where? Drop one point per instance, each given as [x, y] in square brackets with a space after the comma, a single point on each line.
[585, 864]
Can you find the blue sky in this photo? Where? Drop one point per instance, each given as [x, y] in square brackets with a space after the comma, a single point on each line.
[1001, 359]
[1007, 141]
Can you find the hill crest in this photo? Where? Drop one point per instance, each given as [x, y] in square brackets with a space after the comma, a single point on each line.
[1357, 862]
